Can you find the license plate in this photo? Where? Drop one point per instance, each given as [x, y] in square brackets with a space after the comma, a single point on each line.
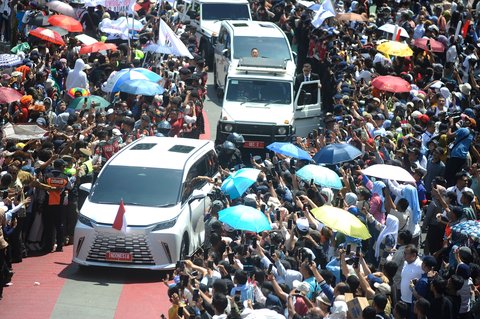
[254, 144]
[118, 256]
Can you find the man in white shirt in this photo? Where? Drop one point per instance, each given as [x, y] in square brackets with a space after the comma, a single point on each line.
[460, 187]
[412, 269]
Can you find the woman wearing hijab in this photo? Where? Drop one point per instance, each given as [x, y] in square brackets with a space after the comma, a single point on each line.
[387, 239]
[415, 214]
[377, 208]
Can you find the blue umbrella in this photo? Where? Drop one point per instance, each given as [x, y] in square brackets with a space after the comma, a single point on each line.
[321, 176]
[246, 218]
[337, 153]
[289, 149]
[115, 80]
[141, 87]
[469, 228]
[238, 183]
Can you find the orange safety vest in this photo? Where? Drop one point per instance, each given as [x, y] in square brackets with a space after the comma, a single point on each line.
[59, 181]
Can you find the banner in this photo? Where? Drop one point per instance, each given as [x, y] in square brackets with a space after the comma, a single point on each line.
[113, 5]
[23, 132]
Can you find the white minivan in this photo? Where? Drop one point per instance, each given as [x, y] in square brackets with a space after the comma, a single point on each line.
[164, 205]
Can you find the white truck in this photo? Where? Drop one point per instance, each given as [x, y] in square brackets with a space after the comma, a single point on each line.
[207, 15]
[260, 103]
[237, 39]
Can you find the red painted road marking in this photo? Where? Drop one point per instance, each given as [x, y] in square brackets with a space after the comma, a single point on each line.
[145, 300]
[207, 134]
[25, 300]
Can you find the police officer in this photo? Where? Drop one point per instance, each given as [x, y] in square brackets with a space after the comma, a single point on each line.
[55, 205]
[236, 139]
[229, 156]
[163, 128]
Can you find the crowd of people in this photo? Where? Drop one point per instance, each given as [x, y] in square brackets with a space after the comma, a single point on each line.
[413, 266]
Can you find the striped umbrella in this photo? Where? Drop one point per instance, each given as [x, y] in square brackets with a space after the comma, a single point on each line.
[9, 60]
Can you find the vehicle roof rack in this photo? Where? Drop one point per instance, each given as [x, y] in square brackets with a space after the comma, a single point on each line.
[262, 65]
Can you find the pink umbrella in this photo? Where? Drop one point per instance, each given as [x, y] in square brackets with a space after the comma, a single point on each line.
[429, 45]
[391, 83]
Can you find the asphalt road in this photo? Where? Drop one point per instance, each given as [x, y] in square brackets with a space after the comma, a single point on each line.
[212, 107]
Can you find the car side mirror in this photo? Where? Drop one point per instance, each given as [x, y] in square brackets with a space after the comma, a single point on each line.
[197, 194]
[226, 53]
[86, 187]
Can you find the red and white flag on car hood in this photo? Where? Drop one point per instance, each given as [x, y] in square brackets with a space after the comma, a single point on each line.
[120, 222]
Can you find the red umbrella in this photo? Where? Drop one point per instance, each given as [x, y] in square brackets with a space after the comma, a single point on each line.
[47, 35]
[97, 46]
[435, 46]
[391, 83]
[9, 95]
[65, 22]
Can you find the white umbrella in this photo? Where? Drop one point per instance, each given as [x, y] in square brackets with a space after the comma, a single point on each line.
[86, 39]
[61, 7]
[386, 171]
[390, 28]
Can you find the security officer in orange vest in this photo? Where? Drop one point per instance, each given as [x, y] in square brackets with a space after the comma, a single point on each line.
[55, 206]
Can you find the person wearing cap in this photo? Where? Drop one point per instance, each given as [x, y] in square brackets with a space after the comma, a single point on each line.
[55, 207]
[421, 286]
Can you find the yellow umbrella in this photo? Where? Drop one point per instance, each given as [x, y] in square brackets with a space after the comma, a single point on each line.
[341, 221]
[395, 48]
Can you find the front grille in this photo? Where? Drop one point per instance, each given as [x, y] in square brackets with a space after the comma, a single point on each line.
[137, 244]
[255, 129]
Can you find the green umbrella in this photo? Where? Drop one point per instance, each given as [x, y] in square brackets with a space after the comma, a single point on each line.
[20, 47]
[100, 102]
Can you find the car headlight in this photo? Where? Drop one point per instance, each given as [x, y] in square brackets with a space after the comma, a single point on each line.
[165, 225]
[282, 130]
[85, 220]
[228, 127]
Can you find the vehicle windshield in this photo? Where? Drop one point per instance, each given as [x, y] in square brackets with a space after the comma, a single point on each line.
[272, 48]
[259, 91]
[225, 11]
[142, 186]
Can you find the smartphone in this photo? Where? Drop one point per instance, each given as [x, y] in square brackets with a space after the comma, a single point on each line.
[86, 99]
[349, 249]
[194, 273]
[263, 207]
[277, 212]
[270, 267]
[358, 251]
[210, 264]
[312, 182]
[300, 214]
[184, 280]
[192, 282]
[267, 156]
[254, 243]
[289, 224]
[309, 258]
[272, 249]
[230, 258]
[180, 312]
[196, 294]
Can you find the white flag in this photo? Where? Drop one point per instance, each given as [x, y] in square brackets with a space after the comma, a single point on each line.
[168, 38]
[326, 11]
